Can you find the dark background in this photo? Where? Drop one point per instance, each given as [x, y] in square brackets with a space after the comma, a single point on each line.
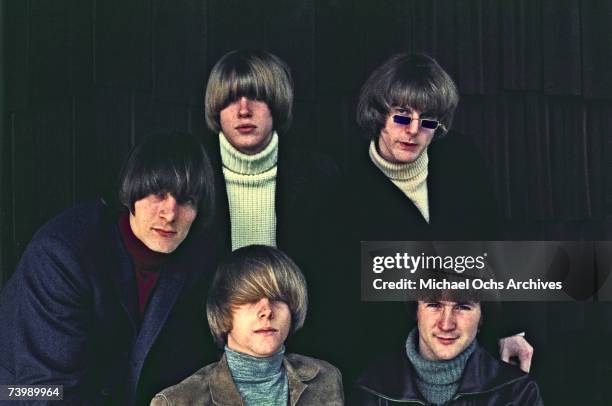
[84, 79]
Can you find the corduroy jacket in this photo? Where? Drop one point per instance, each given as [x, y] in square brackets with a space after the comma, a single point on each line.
[312, 382]
[484, 382]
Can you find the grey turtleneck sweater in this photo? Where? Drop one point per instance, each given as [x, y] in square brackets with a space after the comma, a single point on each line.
[438, 381]
[260, 381]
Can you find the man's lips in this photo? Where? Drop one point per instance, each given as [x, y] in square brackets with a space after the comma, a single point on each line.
[408, 145]
[246, 128]
[266, 330]
[164, 233]
[446, 340]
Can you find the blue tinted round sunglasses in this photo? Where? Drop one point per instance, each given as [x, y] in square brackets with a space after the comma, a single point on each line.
[423, 122]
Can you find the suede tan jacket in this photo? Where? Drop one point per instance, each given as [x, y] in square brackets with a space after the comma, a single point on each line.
[311, 382]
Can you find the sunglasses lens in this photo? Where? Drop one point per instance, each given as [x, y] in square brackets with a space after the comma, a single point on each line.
[402, 120]
[429, 124]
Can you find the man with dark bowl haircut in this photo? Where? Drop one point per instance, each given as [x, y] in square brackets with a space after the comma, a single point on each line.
[107, 301]
[442, 362]
[416, 180]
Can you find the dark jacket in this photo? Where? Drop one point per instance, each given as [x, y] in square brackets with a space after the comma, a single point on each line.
[307, 195]
[461, 207]
[461, 202]
[485, 381]
[69, 314]
[305, 181]
[312, 382]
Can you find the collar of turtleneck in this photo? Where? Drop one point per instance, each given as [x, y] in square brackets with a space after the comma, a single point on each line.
[244, 164]
[413, 171]
[144, 258]
[437, 380]
[254, 369]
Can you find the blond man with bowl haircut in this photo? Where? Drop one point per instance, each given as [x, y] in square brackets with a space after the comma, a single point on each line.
[258, 298]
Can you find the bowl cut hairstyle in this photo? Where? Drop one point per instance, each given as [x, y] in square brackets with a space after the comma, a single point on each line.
[407, 80]
[248, 275]
[174, 163]
[488, 299]
[256, 75]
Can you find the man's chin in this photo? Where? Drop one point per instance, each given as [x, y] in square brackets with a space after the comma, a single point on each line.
[446, 355]
[163, 248]
[407, 157]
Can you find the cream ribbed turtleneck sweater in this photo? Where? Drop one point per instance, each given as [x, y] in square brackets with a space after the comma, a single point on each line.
[251, 185]
[410, 178]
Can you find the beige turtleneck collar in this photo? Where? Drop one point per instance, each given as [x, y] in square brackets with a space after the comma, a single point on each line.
[413, 170]
[410, 178]
[244, 164]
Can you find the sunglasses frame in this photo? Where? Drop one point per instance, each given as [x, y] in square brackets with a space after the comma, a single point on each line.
[401, 119]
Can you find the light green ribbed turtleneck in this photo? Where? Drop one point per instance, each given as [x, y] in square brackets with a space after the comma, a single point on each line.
[251, 184]
[410, 178]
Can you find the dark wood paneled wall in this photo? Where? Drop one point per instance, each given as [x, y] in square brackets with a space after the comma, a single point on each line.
[85, 79]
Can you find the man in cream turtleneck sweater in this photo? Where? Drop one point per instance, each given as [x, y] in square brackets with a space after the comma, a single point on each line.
[250, 181]
[269, 192]
[248, 95]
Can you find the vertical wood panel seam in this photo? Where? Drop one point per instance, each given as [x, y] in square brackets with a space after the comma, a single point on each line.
[151, 8]
[93, 42]
[132, 118]
[585, 161]
[549, 171]
[3, 99]
[506, 143]
[13, 173]
[27, 52]
[581, 48]
[73, 152]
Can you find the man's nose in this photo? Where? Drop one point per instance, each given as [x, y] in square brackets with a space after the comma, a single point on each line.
[447, 322]
[413, 127]
[168, 208]
[264, 308]
[244, 107]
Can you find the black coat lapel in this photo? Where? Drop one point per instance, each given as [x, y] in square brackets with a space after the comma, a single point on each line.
[222, 223]
[169, 286]
[122, 274]
[290, 182]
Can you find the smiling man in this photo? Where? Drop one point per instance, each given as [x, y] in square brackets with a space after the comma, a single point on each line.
[257, 299]
[443, 364]
[103, 296]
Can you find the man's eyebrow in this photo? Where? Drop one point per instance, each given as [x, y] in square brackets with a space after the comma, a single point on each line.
[408, 109]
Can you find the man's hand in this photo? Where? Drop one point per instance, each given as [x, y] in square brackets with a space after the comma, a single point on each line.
[516, 347]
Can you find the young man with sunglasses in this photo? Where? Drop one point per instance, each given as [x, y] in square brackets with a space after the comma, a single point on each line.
[427, 183]
[416, 180]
